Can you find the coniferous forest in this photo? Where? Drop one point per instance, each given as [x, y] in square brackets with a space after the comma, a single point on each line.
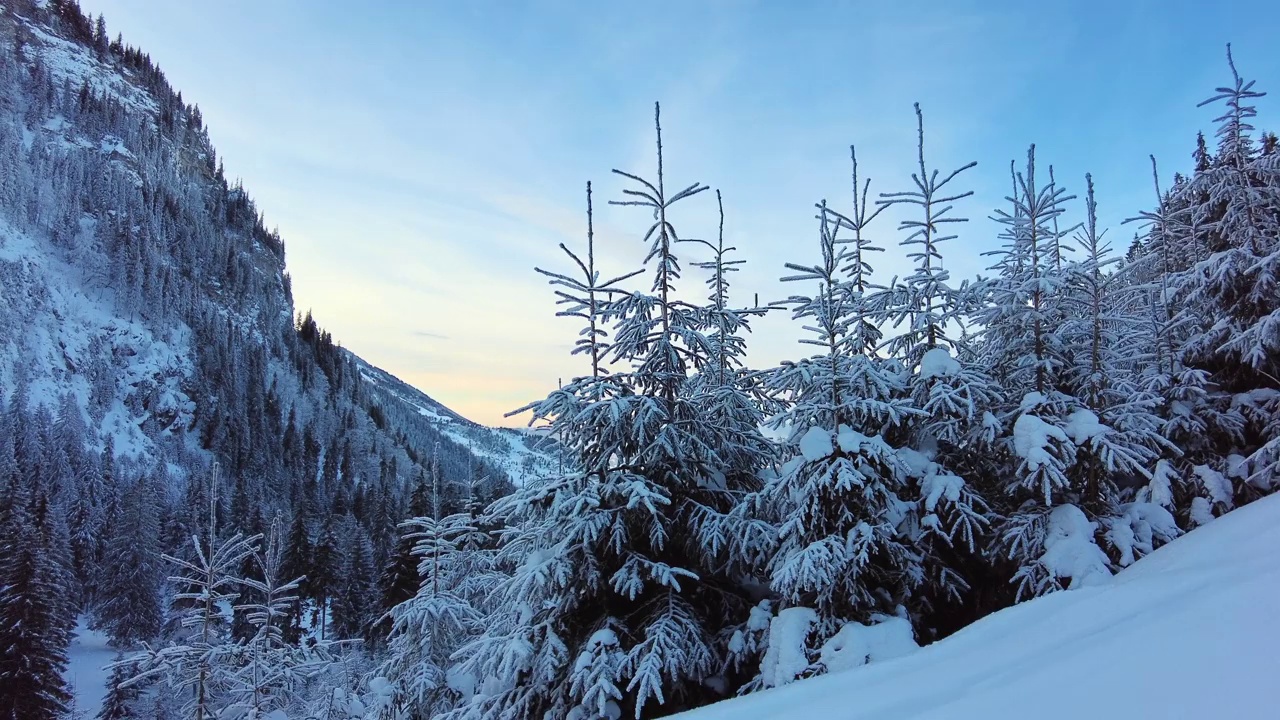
[265, 526]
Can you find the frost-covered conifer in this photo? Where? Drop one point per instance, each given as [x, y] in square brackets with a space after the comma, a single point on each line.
[1022, 341]
[33, 633]
[128, 606]
[839, 552]
[271, 673]
[457, 579]
[199, 667]
[617, 543]
[1196, 419]
[952, 429]
[1085, 423]
[1117, 433]
[355, 600]
[1235, 287]
[118, 702]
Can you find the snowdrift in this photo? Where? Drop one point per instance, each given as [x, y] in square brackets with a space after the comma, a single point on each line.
[1190, 631]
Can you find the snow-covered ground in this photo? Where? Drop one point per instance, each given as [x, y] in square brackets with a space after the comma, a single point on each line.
[1190, 631]
[88, 655]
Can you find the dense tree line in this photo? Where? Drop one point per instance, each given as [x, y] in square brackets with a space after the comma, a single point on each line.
[951, 448]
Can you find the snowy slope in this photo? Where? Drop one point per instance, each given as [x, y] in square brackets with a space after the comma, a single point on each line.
[74, 325]
[86, 670]
[521, 455]
[1190, 631]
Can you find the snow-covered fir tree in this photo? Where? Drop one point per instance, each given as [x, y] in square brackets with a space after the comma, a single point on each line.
[839, 552]
[457, 577]
[128, 604]
[355, 600]
[118, 702]
[617, 601]
[1235, 207]
[952, 430]
[1115, 427]
[1085, 422]
[1025, 350]
[272, 673]
[198, 667]
[34, 629]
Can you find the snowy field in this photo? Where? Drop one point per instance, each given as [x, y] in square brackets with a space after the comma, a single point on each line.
[1190, 631]
[88, 654]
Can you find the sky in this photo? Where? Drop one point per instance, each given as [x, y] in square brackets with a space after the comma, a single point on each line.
[420, 158]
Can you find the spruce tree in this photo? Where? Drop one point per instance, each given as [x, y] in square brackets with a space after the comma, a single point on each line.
[271, 673]
[129, 607]
[456, 579]
[838, 503]
[297, 563]
[33, 635]
[198, 667]
[355, 601]
[616, 546]
[118, 703]
[1236, 284]
[1115, 428]
[946, 442]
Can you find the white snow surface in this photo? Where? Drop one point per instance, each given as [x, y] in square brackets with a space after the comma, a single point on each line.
[1188, 631]
[938, 363]
[86, 674]
[1031, 437]
[1069, 548]
[816, 444]
[856, 644]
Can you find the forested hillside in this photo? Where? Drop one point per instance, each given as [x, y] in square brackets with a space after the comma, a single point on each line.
[147, 333]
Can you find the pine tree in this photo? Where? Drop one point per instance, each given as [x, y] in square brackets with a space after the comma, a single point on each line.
[843, 559]
[86, 497]
[118, 703]
[199, 668]
[33, 636]
[1236, 284]
[1021, 344]
[618, 541]
[129, 608]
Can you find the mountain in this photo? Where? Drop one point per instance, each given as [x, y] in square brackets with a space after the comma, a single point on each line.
[1186, 632]
[517, 453]
[146, 303]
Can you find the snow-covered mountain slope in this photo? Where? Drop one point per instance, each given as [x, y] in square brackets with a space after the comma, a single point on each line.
[521, 455]
[141, 289]
[1189, 631]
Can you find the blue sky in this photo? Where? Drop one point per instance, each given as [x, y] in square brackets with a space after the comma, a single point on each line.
[420, 157]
